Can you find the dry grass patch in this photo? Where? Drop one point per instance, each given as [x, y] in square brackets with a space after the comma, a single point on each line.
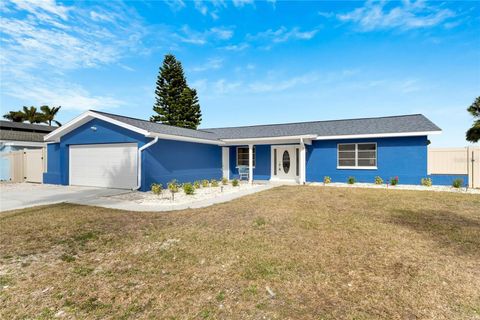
[323, 253]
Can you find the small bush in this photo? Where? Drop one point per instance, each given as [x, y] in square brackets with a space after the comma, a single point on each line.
[457, 183]
[156, 188]
[378, 180]
[173, 186]
[394, 181]
[235, 183]
[214, 183]
[224, 181]
[205, 183]
[327, 179]
[197, 184]
[427, 182]
[351, 180]
[188, 188]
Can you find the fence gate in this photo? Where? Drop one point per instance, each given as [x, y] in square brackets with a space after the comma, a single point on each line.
[33, 164]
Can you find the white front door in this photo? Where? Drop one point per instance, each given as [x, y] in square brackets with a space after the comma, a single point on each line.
[285, 162]
[104, 165]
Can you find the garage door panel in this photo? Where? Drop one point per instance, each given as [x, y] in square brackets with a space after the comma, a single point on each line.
[104, 165]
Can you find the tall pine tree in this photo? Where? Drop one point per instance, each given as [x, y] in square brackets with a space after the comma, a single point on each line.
[175, 103]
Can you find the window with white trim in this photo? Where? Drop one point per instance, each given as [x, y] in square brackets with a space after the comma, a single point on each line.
[242, 156]
[357, 155]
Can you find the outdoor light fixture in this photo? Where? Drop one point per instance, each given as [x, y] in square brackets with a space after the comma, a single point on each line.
[93, 128]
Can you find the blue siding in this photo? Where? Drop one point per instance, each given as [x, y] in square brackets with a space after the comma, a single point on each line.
[262, 169]
[162, 162]
[447, 179]
[184, 161]
[405, 157]
[5, 163]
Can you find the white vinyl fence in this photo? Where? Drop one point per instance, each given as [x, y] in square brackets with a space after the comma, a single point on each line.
[451, 161]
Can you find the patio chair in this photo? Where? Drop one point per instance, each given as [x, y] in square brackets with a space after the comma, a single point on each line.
[243, 172]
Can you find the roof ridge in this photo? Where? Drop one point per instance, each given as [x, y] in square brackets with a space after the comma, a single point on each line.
[315, 121]
[148, 121]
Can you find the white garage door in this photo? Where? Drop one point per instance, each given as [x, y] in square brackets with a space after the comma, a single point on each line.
[104, 165]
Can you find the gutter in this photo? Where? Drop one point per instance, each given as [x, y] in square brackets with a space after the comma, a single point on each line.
[139, 162]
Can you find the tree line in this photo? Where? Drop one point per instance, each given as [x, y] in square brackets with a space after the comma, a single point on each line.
[32, 115]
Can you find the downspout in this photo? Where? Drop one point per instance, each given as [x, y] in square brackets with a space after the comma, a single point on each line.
[139, 162]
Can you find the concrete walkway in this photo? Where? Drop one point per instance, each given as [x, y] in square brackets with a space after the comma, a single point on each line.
[24, 195]
[107, 202]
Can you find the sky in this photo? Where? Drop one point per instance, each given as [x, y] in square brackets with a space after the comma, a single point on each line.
[251, 62]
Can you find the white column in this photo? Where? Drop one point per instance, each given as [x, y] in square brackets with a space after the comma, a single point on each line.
[303, 160]
[226, 162]
[250, 163]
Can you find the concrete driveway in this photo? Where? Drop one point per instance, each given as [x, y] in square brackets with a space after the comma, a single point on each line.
[24, 195]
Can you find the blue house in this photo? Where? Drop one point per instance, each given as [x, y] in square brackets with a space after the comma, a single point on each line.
[108, 150]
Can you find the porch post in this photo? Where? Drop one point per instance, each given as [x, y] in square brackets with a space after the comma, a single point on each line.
[250, 163]
[303, 167]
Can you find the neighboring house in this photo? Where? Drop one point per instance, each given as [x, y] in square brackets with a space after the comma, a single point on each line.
[16, 136]
[108, 150]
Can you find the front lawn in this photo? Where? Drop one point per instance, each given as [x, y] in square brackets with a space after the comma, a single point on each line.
[323, 253]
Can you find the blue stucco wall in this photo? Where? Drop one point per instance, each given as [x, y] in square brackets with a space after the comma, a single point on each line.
[447, 179]
[263, 157]
[162, 162]
[183, 161]
[405, 157]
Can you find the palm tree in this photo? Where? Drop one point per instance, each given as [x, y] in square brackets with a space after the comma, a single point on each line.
[15, 116]
[473, 134]
[49, 114]
[31, 115]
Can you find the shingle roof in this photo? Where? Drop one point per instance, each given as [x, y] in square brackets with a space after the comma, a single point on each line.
[161, 128]
[26, 126]
[392, 124]
[11, 135]
[380, 125]
[18, 131]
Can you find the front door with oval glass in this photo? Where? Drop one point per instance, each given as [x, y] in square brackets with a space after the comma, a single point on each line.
[284, 162]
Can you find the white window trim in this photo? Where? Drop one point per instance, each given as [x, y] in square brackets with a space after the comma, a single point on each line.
[254, 155]
[356, 157]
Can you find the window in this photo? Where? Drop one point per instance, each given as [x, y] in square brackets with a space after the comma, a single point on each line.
[357, 155]
[242, 156]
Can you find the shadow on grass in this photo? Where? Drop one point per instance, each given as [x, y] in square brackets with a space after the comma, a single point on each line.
[447, 228]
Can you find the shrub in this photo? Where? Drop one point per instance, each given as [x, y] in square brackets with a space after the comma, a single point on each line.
[327, 179]
[457, 183]
[205, 183]
[173, 186]
[235, 183]
[427, 182]
[197, 184]
[394, 181]
[188, 188]
[214, 183]
[378, 180]
[224, 181]
[156, 188]
[351, 180]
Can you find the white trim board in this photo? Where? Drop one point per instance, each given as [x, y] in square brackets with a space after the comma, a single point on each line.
[379, 135]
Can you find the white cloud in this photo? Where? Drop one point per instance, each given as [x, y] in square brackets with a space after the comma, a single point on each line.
[175, 5]
[53, 39]
[241, 3]
[211, 64]
[283, 34]
[281, 85]
[187, 35]
[237, 47]
[407, 15]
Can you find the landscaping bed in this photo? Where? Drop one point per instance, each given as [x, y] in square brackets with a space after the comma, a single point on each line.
[398, 187]
[166, 197]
